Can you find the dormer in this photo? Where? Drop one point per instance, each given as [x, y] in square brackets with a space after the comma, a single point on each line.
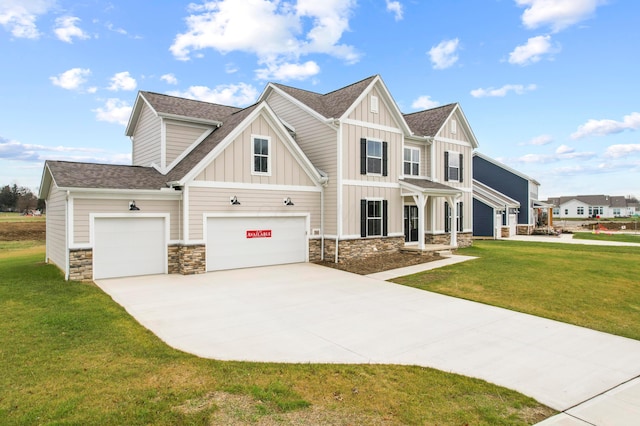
[164, 129]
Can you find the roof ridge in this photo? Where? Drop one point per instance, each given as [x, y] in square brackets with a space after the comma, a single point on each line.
[431, 109]
[188, 99]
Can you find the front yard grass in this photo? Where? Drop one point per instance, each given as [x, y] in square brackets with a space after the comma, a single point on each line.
[624, 238]
[70, 355]
[592, 286]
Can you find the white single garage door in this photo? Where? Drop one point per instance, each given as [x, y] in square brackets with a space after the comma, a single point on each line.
[125, 247]
[244, 242]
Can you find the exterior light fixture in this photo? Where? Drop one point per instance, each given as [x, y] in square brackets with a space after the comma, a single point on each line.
[287, 202]
[234, 201]
[132, 206]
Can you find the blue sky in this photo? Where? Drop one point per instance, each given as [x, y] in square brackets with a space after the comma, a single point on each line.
[550, 87]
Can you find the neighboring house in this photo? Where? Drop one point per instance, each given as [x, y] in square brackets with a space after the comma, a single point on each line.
[593, 206]
[505, 201]
[298, 176]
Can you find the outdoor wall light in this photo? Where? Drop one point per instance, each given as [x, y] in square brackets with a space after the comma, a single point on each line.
[132, 206]
[234, 201]
[287, 202]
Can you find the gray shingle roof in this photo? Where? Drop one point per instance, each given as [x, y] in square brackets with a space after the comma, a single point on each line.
[330, 105]
[428, 184]
[89, 175]
[188, 107]
[428, 122]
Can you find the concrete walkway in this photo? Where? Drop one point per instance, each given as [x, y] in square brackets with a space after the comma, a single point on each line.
[309, 313]
[567, 239]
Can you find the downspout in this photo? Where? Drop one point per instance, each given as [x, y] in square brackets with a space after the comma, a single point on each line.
[323, 182]
[339, 190]
[66, 236]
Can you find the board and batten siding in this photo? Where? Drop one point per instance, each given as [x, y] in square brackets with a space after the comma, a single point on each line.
[235, 163]
[264, 202]
[319, 143]
[362, 112]
[83, 207]
[56, 224]
[147, 139]
[179, 137]
[351, 216]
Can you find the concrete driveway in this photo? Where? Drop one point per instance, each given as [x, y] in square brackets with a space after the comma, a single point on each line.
[309, 313]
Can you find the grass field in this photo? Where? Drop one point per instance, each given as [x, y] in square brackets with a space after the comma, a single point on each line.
[625, 238]
[592, 286]
[70, 355]
[17, 217]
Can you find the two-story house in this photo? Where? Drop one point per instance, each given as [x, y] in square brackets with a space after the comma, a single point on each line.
[298, 176]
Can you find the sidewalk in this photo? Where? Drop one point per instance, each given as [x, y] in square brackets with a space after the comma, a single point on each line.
[567, 239]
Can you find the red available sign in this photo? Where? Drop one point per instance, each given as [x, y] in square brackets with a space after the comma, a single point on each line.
[259, 233]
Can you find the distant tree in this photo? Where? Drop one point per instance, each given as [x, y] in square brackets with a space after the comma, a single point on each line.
[8, 198]
[14, 198]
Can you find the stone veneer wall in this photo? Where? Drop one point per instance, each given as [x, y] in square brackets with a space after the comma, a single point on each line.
[81, 265]
[315, 248]
[361, 248]
[465, 239]
[505, 232]
[190, 259]
[524, 229]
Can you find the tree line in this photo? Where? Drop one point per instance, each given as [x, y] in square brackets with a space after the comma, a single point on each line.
[14, 198]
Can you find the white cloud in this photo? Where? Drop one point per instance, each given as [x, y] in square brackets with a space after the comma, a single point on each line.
[19, 16]
[169, 78]
[72, 79]
[227, 94]
[557, 14]
[607, 127]
[532, 51]
[396, 8]
[66, 29]
[18, 151]
[444, 54]
[535, 158]
[288, 71]
[518, 89]
[424, 102]
[115, 29]
[275, 31]
[114, 111]
[541, 140]
[122, 81]
[564, 149]
[622, 150]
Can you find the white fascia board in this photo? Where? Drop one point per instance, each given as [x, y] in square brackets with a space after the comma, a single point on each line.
[325, 120]
[187, 151]
[465, 125]
[135, 113]
[165, 193]
[387, 99]
[45, 182]
[429, 191]
[187, 119]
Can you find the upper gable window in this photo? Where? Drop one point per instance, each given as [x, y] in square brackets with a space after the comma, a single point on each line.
[261, 155]
[411, 162]
[454, 126]
[374, 104]
[373, 157]
[453, 166]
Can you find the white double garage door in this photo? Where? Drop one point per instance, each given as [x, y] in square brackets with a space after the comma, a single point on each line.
[131, 246]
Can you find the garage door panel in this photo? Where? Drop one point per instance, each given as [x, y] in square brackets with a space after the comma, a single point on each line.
[129, 247]
[229, 245]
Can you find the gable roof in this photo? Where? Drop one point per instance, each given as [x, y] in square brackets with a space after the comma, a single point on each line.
[430, 121]
[491, 197]
[330, 105]
[179, 108]
[593, 200]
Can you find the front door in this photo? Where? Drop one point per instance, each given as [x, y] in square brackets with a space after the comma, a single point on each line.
[410, 223]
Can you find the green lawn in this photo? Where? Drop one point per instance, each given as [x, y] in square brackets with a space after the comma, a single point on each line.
[17, 217]
[592, 286]
[70, 355]
[625, 238]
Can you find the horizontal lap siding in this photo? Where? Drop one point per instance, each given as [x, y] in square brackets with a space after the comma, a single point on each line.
[179, 138]
[83, 207]
[216, 200]
[425, 165]
[56, 228]
[146, 139]
[319, 143]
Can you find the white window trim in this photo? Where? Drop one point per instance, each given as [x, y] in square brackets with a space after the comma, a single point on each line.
[381, 218]
[412, 149]
[253, 154]
[381, 157]
[456, 155]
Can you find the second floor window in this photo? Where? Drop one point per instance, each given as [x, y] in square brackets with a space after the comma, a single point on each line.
[373, 157]
[411, 161]
[261, 159]
[453, 166]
